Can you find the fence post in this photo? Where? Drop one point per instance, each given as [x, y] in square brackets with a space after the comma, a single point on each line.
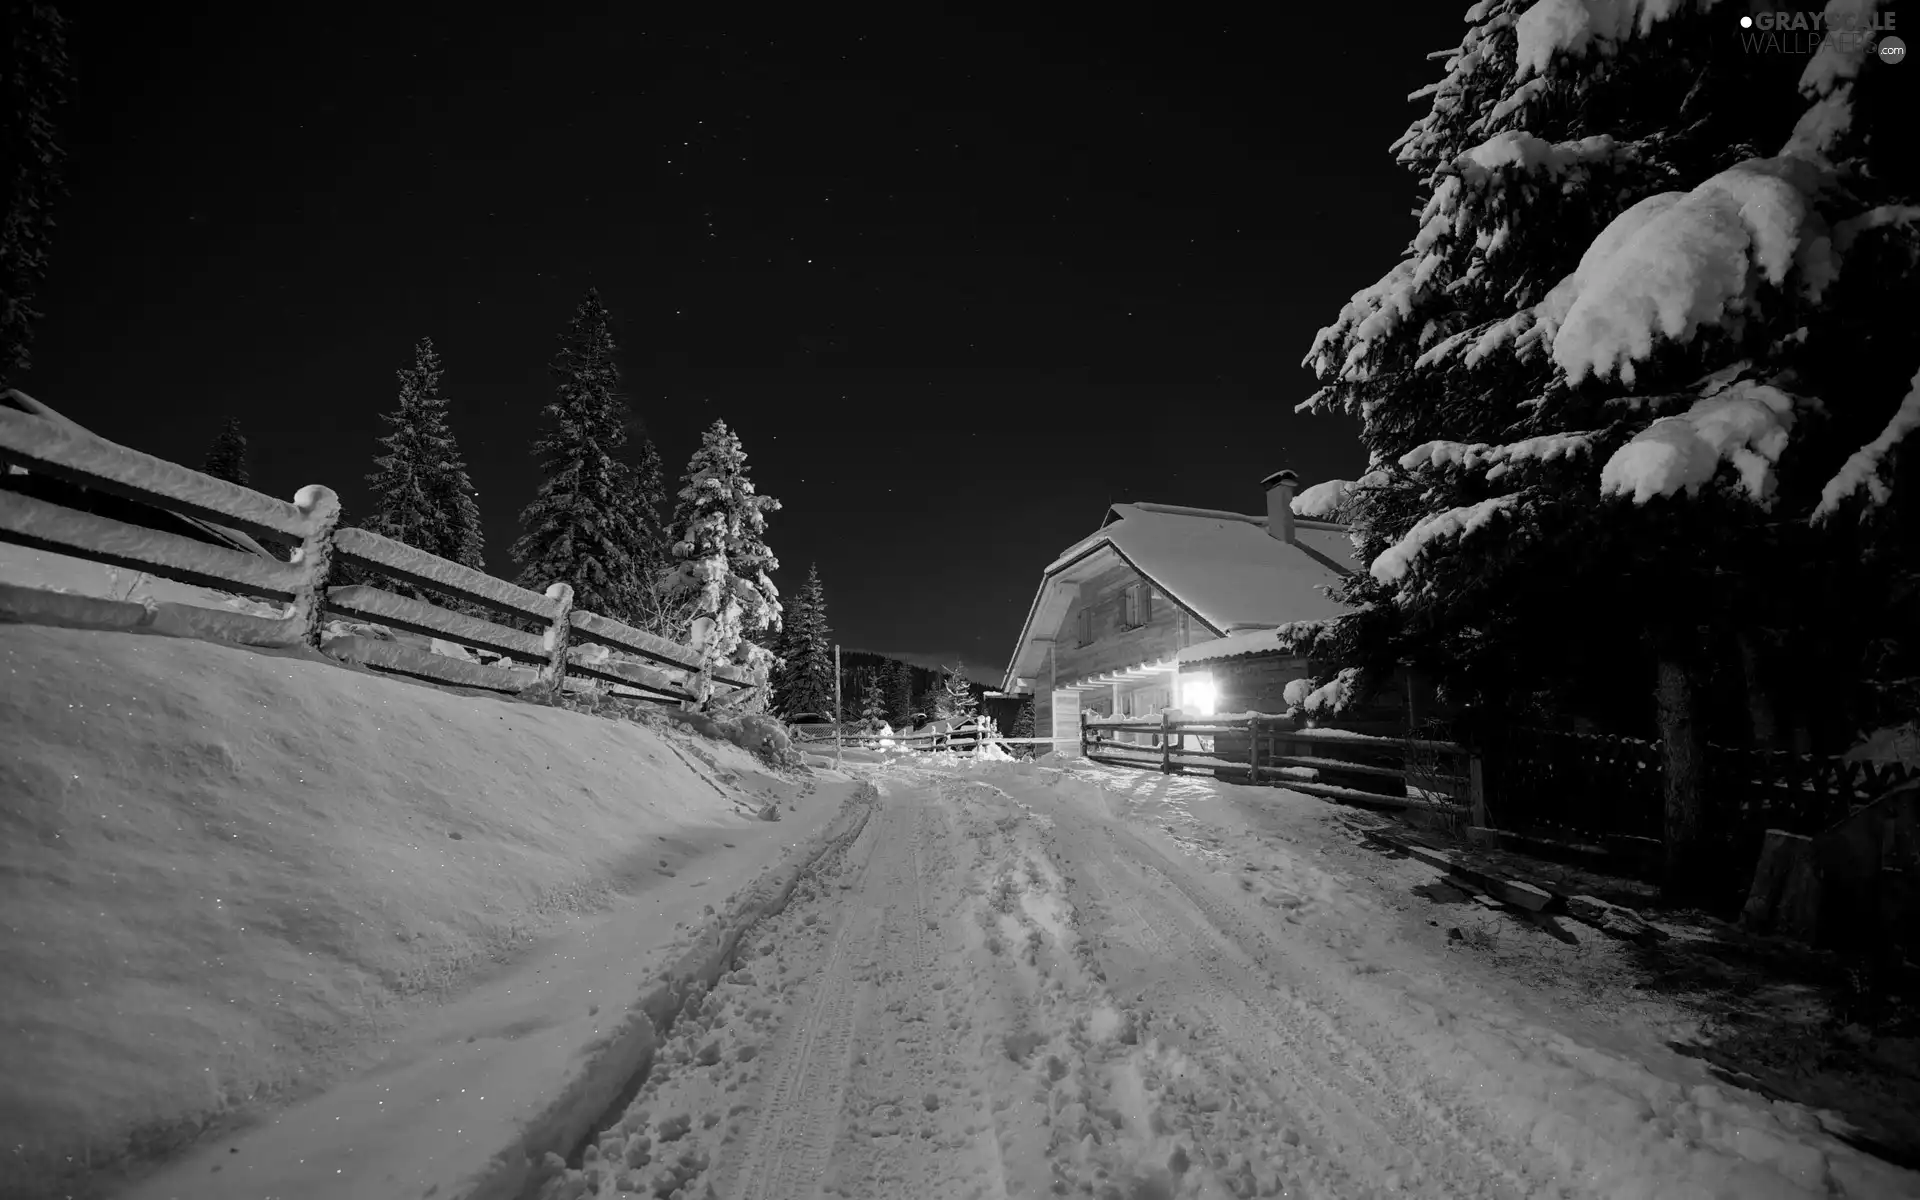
[558, 637]
[1476, 792]
[322, 510]
[1085, 750]
[1166, 742]
[1253, 750]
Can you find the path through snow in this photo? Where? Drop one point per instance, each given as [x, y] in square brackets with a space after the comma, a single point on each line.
[1022, 981]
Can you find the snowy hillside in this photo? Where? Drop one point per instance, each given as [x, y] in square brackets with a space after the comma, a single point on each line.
[230, 878]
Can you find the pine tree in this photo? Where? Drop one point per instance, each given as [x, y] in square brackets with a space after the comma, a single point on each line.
[719, 543]
[932, 703]
[956, 699]
[35, 80]
[899, 689]
[1610, 386]
[423, 496]
[227, 456]
[1023, 723]
[588, 524]
[873, 703]
[657, 613]
[804, 681]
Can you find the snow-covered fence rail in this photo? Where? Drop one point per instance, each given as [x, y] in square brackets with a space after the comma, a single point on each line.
[35, 446]
[1264, 748]
[212, 549]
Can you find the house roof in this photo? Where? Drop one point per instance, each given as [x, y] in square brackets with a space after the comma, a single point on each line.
[1234, 645]
[1223, 568]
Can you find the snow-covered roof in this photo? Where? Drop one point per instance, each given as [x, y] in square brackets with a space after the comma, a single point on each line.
[1224, 568]
[1252, 641]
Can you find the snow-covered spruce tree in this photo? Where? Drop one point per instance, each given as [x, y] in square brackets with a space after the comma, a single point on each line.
[588, 524]
[227, 455]
[873, 703]
[928, 702]
[1023, 723]
[656, 612]
[422, 494]
[1647, 342]
[36, 78]
[956, 699]
[899, 688]
[804, 680]
[719, 543]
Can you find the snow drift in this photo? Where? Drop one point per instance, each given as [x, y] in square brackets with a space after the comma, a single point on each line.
[225, 873]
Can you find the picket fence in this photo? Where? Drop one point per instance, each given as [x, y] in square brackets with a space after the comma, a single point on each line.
[570, 642]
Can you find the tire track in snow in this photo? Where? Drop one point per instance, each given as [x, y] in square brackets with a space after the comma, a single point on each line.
[1341, 1152]
[1380, 1121]
[788, 1154]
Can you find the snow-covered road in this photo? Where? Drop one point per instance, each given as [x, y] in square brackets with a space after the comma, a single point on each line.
[1022, 981]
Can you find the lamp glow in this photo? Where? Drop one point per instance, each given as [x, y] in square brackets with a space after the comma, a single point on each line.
[1198, 697]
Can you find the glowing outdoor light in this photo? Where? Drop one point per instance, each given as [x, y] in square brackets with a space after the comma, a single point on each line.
[1198, 696]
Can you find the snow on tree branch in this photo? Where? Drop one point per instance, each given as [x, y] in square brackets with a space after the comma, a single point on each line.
[1677, 262]
[1828, 79]
[1394, 563]
[1374, 312]
[1546, 448]
[1299, 637]
[1746, 425]
[1577, 27]
[1863, 466]
[1518, 148]
[1323, 500]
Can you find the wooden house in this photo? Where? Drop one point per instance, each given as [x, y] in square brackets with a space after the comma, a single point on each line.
[1171, 607]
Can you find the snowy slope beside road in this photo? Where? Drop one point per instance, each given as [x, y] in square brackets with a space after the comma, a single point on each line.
[230, 880]
[1021, 981]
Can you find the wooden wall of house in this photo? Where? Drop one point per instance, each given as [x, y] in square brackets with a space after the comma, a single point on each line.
[1113, 646]
[1256, 683]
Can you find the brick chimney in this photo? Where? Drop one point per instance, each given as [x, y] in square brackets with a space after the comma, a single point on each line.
[1281, 485]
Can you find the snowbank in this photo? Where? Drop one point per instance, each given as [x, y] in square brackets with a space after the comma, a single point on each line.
[225, 873]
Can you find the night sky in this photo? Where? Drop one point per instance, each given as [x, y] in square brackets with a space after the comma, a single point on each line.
[958, 282]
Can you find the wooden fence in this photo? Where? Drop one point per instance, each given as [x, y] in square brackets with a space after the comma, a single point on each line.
[570, 641]
[1586, 793]
[1262, 748]
[962, 739]
[1585, 788]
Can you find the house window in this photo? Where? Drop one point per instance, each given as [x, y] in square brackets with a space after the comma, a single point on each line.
[1136, 606]
[1086, 627]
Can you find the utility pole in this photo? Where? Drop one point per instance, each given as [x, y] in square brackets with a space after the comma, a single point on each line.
[837, 715]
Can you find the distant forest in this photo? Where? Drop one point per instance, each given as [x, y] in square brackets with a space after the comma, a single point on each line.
[855, 664]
